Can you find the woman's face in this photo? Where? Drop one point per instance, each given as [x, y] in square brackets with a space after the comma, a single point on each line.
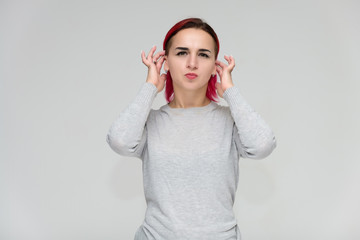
[191, 59]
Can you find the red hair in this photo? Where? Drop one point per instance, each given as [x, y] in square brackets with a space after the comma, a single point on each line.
[198, 24]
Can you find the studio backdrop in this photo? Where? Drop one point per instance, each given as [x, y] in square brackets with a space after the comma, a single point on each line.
[68, 68]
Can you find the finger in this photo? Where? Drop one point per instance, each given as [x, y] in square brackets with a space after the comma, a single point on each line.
[231, 62]
[159, 63]
[143, 58]
[228, 59]
[151, 53]
[220, 67]
[158, 55]
[162, 82]
[220, 64]
[219, 71]
[142, 55]
[219, 89]
[163, 78]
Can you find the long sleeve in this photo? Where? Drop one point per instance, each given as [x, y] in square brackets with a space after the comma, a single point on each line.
[127, 135]
[252, 135]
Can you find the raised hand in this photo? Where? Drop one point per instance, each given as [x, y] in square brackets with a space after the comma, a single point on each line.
[224, 72]
[154, 64]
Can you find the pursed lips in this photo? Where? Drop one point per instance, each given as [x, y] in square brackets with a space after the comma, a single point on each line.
[191, 75]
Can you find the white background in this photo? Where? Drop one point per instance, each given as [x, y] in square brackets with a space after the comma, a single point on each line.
[68, 68]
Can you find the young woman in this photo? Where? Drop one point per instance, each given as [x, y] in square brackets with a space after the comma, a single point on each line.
[191, 146]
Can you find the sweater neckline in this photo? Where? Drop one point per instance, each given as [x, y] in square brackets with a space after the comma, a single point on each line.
[205, 108]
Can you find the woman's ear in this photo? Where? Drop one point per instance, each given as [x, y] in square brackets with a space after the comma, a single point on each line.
[166, 66]
[214, 71]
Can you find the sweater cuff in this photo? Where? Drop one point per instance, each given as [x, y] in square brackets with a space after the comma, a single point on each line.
[233, 96]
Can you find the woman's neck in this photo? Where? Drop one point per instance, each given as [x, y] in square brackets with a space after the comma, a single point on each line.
[188, 100]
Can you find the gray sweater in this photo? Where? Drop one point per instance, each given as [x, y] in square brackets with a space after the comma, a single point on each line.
[190, 162]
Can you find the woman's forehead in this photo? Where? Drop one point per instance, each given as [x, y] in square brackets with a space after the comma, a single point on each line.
[193, 38]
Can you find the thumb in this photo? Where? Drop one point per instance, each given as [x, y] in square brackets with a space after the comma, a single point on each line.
[163, 77]
[162, 82]
[219, 89]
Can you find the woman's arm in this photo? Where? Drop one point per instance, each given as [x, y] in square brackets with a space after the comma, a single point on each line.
[127, 135]
[252, 135]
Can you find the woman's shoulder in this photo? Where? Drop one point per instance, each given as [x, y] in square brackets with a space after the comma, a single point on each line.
[222, 109]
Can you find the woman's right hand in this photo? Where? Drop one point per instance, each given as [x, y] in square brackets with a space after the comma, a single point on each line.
[154, 64]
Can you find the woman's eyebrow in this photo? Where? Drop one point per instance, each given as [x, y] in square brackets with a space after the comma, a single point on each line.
[204, 50]
[182, 48]
[187, 49]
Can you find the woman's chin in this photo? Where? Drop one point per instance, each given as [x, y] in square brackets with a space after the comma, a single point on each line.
[191, 85]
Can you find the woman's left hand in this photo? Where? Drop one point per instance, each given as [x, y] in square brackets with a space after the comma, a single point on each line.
[224, 72]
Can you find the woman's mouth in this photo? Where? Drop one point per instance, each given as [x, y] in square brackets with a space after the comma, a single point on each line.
[191, 75]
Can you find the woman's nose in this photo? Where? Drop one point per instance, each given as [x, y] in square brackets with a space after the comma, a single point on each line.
[192, 62]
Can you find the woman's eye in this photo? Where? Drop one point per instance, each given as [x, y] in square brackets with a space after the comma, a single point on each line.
[181, 53]
[204, 55]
